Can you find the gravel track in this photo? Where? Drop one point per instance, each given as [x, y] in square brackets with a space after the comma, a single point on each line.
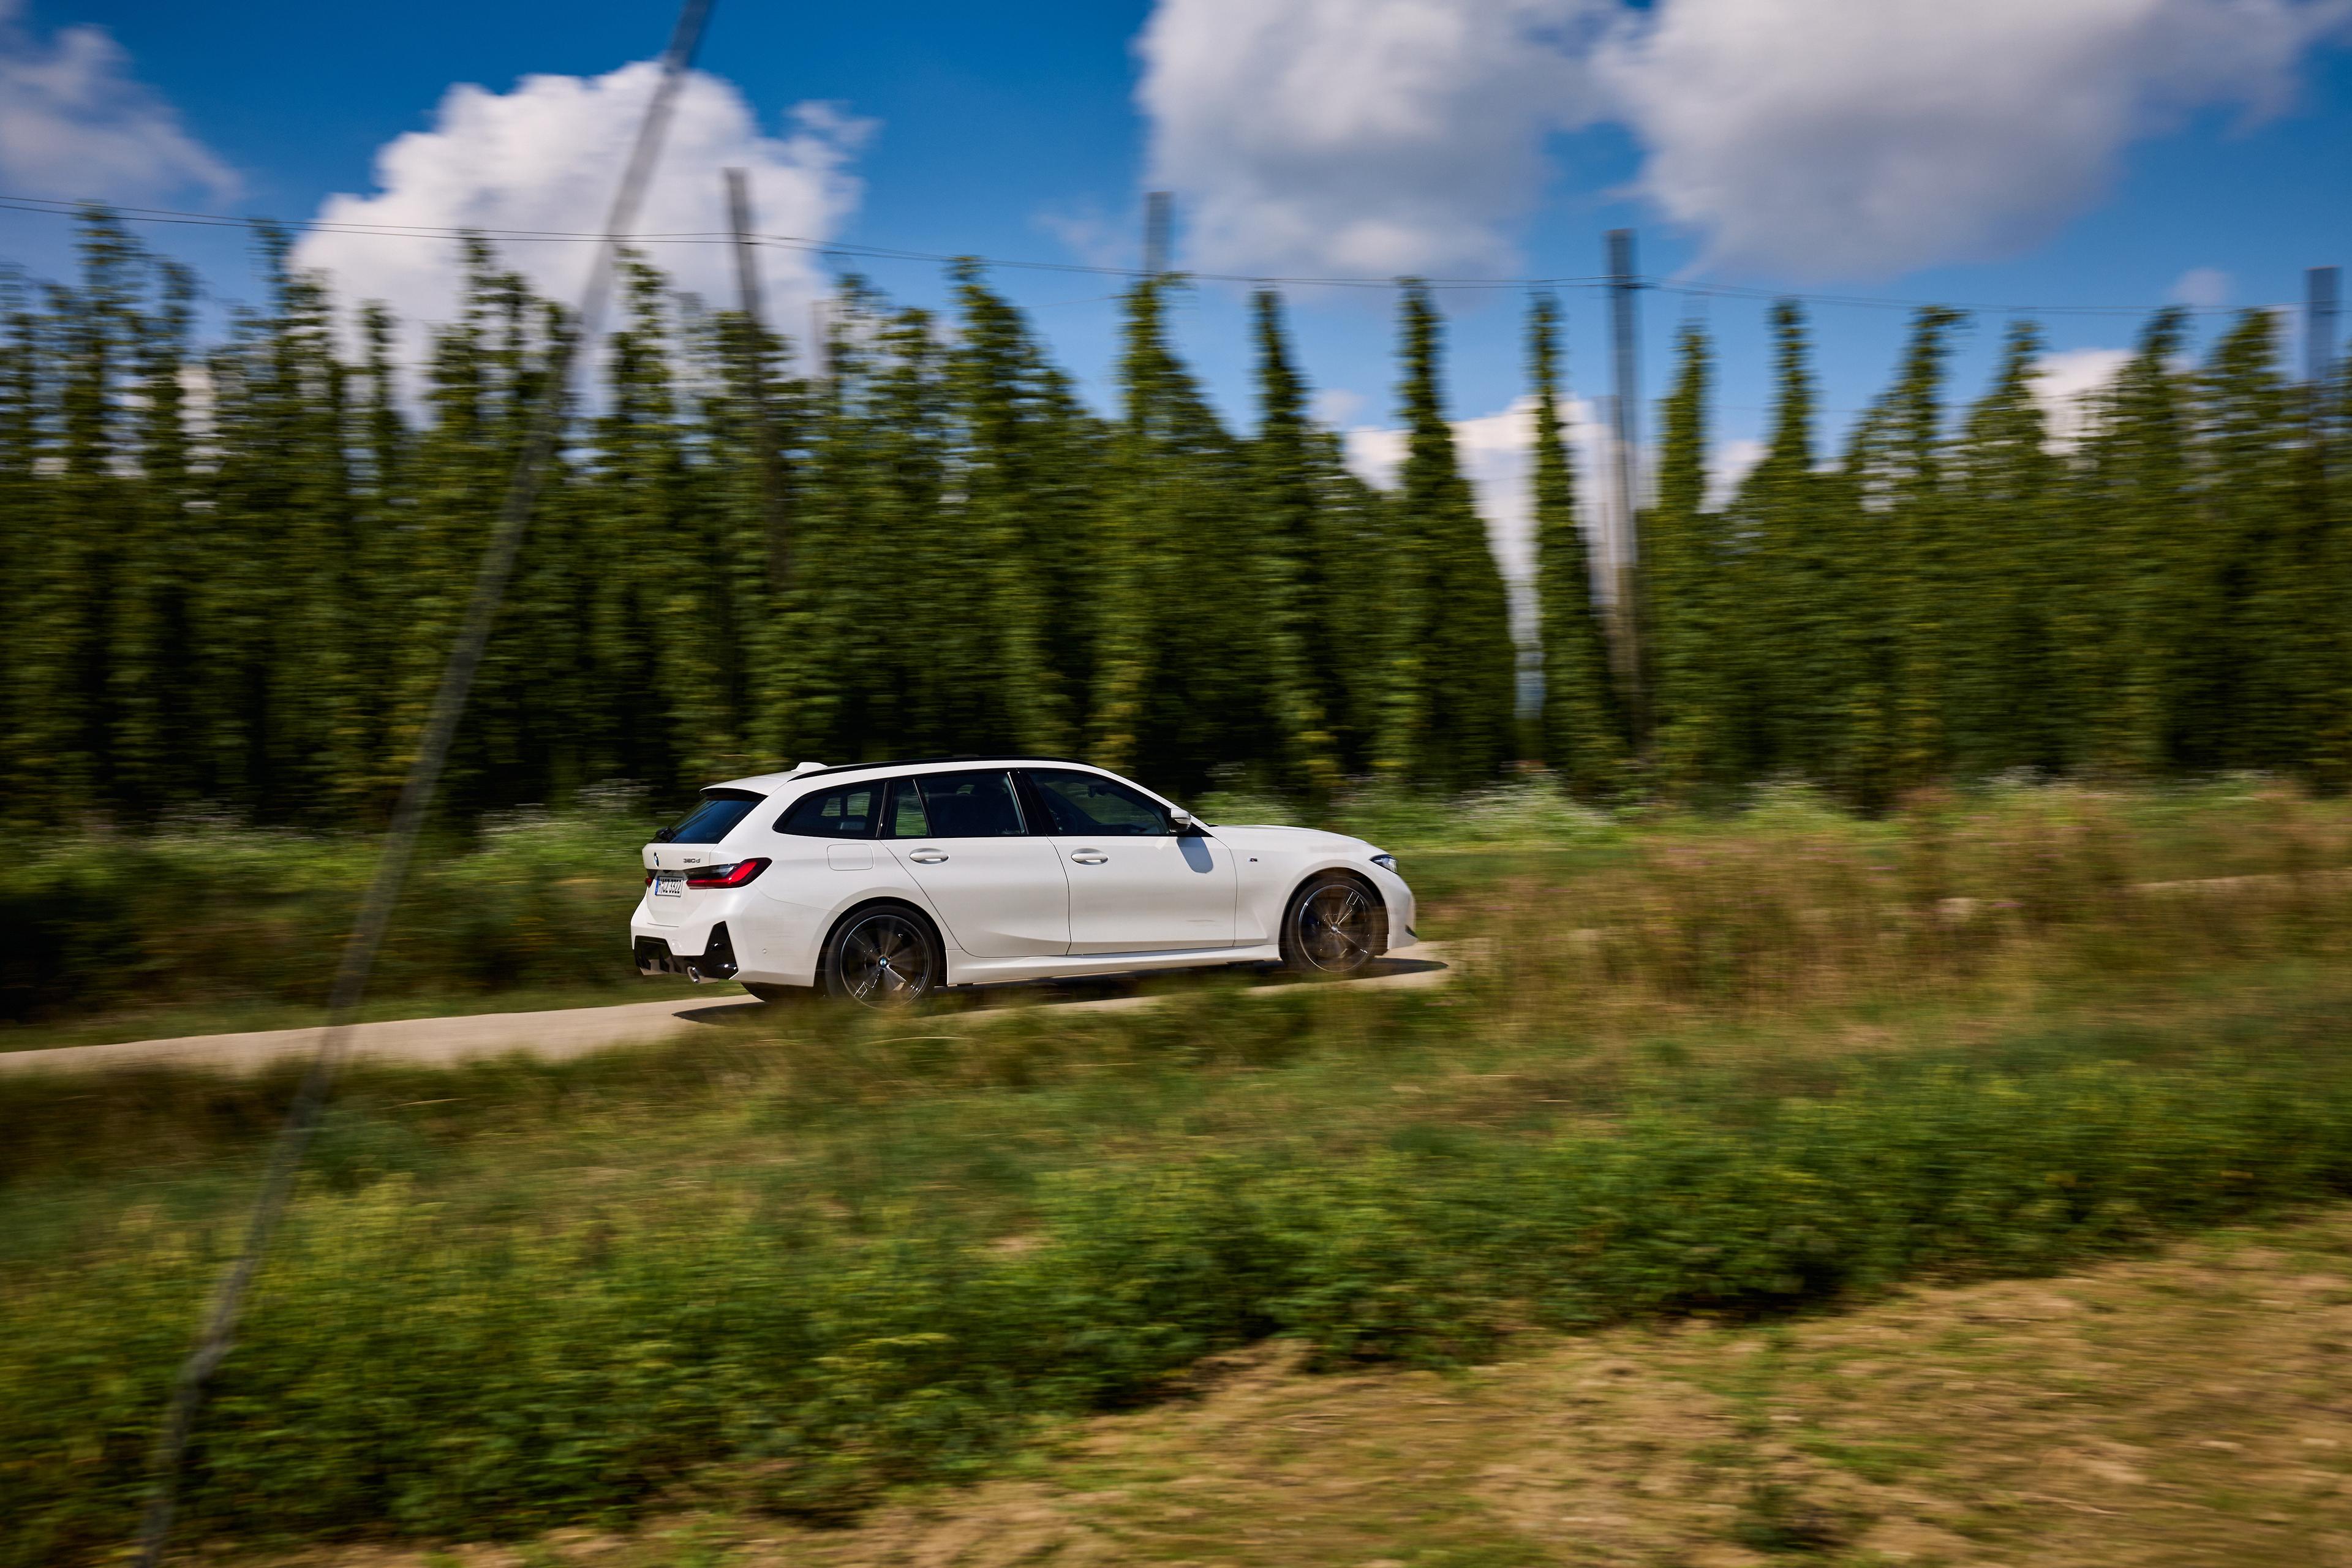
[579, 1031]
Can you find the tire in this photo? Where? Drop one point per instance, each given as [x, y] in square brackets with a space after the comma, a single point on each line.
[1333, 926]
[871, 958]
[772, 995]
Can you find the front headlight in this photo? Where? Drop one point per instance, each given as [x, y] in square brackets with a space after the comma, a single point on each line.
[1385, 862]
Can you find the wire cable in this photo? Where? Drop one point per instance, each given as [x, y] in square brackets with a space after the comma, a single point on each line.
[834, 248]
[59, 207]
[218, 1333]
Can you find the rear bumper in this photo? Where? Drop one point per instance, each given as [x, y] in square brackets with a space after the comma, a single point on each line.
[715, 962]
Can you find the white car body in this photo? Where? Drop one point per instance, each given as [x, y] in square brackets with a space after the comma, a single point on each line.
[1014, 906]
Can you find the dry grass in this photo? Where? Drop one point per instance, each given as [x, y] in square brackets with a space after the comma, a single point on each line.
[2183, 1409]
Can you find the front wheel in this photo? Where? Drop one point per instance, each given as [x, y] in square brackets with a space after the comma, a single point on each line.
[1334, 927]
[884, 956]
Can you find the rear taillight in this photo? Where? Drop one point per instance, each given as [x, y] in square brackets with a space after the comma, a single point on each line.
[649, 879]
[734, 876]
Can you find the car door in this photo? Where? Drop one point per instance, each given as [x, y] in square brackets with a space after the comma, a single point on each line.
[1136, 884]
[998, 888]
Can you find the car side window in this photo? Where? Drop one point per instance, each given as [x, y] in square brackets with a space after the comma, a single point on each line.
[1093, 805]
[847, 812]
[903, 816]
[969, 806]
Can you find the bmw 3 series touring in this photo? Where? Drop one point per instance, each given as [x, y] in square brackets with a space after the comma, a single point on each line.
[887, 881]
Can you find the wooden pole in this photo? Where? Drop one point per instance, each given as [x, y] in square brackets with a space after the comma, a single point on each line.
[2319, 325]
[1625, 544]
[752, 369]
[1155, 233]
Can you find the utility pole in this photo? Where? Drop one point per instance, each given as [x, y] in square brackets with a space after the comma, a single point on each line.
[739, 216]
[1625, 545]
[2319, 327]
[820, 339]
[1155, 234]
[751, 369]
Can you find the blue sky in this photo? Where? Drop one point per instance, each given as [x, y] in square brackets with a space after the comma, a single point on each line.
[2101, 153]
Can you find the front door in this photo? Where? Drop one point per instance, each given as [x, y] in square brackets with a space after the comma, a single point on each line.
[998, 890]
[1136, 885]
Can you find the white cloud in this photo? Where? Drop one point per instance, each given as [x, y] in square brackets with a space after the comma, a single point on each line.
[74, 123]
[548, 155]
[2064, 383]
[2202, 287]
[1806, 139]
[1336, 406]
[1843, 137]
[1731, 464]
[1362, 137]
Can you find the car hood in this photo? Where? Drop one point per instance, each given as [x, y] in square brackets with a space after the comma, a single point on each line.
[1291, 840]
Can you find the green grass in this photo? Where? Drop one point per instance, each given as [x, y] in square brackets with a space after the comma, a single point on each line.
[792, 1269]
[220, 920]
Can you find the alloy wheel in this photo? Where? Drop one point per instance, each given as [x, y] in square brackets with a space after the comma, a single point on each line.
[885, 959]
[1334, 927]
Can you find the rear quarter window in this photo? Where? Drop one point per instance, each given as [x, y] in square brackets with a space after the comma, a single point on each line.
[847, 812]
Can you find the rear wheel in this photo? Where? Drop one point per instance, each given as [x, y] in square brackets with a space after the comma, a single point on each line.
[882, 956]
[1335, 926]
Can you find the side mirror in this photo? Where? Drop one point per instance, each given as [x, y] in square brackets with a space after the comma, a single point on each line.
[1187, 824]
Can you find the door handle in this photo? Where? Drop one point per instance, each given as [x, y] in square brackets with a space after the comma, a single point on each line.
[928, 857]
[1089, 856]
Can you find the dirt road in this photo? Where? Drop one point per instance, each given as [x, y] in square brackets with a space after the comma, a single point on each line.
[578, 1031]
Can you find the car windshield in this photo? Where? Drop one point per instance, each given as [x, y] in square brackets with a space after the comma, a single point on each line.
[712, 818]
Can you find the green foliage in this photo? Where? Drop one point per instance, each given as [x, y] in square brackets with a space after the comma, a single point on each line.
[1305, 641]
[235, 569]
[1684, 586]
[1582, 723]
[1449, 719]
[199, 911]
[402, 1370]
[1783, 635]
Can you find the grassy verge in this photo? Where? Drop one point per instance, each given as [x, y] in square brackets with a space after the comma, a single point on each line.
[215, 919]
[1703, 1072]
[2178, 1408]
[203, 928]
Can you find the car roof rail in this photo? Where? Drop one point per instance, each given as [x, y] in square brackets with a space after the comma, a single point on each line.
[1014, 759]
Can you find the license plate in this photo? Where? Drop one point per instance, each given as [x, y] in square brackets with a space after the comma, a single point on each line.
[670, 884]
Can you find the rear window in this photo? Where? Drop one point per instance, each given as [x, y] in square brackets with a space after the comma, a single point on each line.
[844, 812]
[713, 818]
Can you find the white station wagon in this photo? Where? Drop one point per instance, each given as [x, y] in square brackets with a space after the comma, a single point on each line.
[885, 882]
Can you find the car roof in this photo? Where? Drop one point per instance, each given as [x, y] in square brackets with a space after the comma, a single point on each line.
[768, 784]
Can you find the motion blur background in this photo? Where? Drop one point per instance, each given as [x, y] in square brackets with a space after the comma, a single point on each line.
[1820, 533]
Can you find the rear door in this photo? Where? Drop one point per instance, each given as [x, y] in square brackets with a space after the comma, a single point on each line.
[999, 889]
[1136, 885]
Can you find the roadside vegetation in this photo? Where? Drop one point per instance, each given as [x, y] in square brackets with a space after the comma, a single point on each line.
[2176, 1408]
[1719, 1068]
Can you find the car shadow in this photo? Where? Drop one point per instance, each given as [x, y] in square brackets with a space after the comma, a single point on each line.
[730, 1014]
[1155, 983]
[1139, 985]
